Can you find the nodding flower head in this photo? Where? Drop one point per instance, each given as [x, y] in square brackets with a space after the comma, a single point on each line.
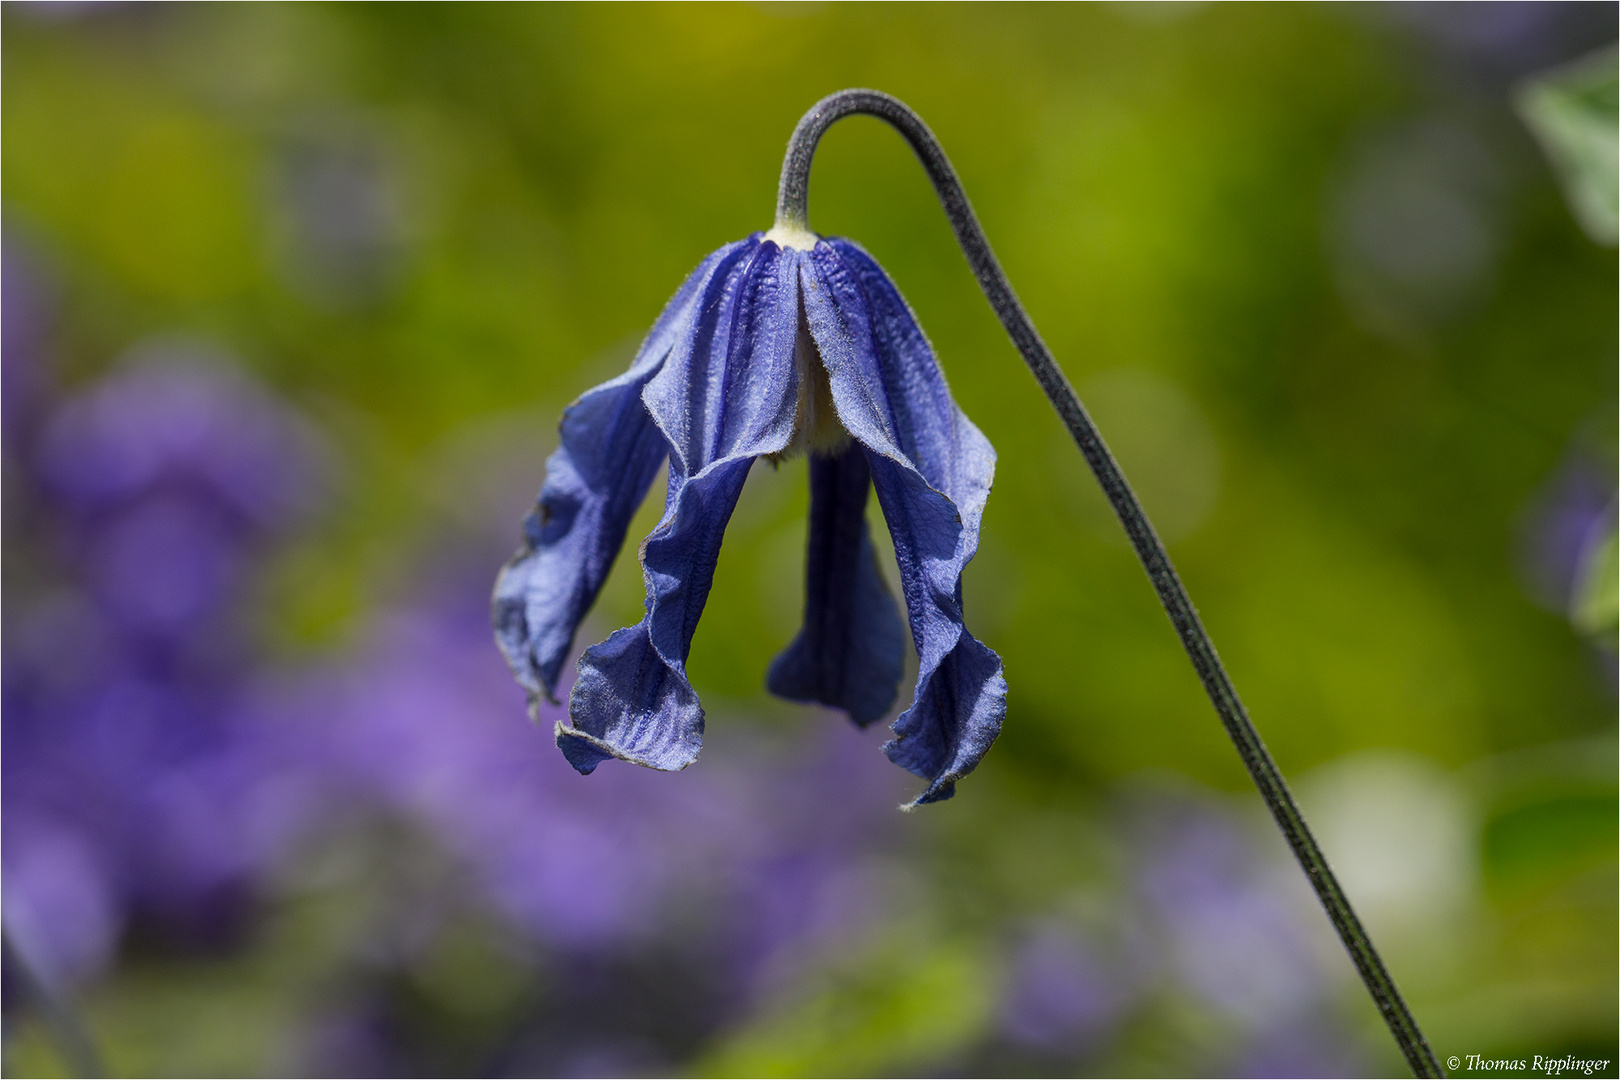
[779, 343]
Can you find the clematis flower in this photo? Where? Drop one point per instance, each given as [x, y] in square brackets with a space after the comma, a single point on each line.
[780, 343]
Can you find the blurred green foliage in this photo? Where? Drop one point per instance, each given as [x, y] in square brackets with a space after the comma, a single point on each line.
[1344, 492]
[1575, 114]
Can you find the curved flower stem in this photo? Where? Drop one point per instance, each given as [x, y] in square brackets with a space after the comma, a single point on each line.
[791, 212]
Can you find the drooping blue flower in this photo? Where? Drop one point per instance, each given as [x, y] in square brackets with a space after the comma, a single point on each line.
[778, 343]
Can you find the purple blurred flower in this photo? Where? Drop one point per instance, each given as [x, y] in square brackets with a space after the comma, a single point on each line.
[1233, 940]
[1062, 993]
[139, 781]
[25, 309]
[165, 564]
[1300, 1047]
[155, 770]
[59, 904]
[177, 420]
[1505, 41]
[1199, 921]
[1564, 519]
[427, 721]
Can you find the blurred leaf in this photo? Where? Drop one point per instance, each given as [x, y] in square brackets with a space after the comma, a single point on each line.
[1575, 113]
[1596, 609]
[912, 1003]
[1563, 833]
[30, 1051]
[1550, 817]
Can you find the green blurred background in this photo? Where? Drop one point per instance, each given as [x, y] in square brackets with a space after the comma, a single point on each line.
[1309, 268]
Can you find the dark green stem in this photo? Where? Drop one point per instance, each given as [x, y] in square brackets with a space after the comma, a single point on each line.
[792, 204]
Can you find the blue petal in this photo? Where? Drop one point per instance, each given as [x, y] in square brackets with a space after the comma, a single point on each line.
[932, 470]
[850, 653]
[726, 395]
[608, 454]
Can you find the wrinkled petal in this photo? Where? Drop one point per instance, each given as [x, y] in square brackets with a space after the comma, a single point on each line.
[851, 652]
[932, 470]
[609, 452]
[725, 395]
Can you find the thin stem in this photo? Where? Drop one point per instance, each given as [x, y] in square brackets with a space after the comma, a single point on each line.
[792, 211]
[72, 1039]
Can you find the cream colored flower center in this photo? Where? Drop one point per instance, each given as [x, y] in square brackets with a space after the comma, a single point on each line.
[816, 427]
[788, 235]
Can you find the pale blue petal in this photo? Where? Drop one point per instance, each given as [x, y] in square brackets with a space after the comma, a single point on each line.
[607, 456]
[851, 652]
[932, 470]
[726, 395]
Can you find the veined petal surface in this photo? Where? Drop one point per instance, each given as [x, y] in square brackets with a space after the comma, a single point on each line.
[726, 394]
[609, 451]
[932, 470]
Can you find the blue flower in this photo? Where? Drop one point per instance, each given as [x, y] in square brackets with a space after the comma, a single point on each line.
[778, 343]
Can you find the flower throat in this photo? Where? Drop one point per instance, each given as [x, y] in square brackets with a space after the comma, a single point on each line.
[816, 427]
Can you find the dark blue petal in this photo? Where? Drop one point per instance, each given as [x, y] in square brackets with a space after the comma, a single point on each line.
[726, 395]
[850, 653]
[932, 470]
[609, 452]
